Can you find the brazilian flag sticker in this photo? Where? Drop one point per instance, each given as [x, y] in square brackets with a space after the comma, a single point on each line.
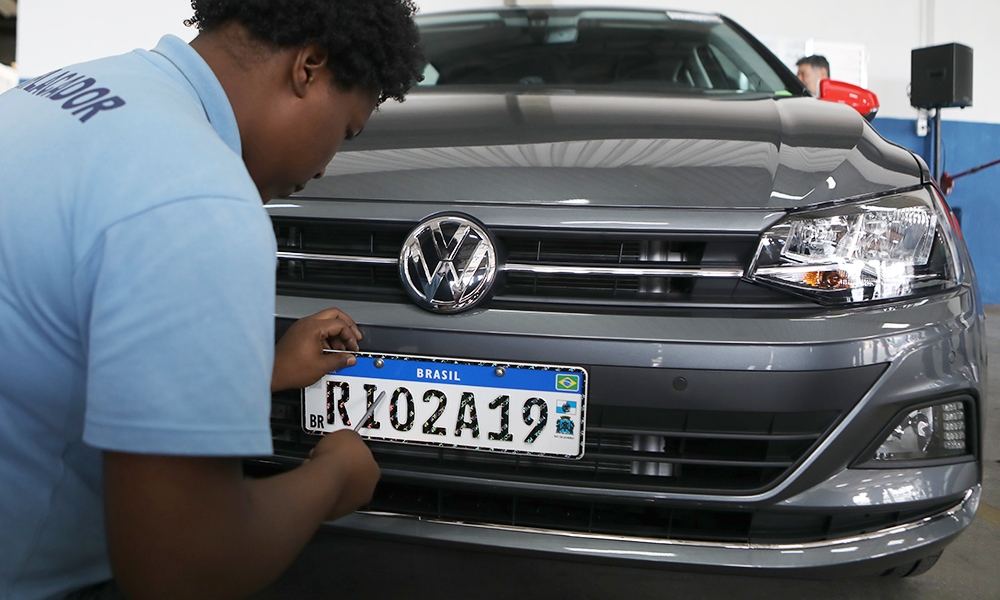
[567, 382]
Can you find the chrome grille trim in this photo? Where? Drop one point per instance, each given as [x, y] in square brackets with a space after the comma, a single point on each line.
[338, 258]
[547, 269]
[693, 271]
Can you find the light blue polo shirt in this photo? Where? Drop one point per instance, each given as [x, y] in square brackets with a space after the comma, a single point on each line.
[137, 271]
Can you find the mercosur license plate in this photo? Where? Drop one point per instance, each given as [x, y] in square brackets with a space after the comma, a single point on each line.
[497, 407]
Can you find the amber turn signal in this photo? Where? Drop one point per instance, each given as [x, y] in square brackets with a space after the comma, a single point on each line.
[826, 280]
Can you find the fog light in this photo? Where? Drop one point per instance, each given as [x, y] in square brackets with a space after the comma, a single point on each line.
[932, 432]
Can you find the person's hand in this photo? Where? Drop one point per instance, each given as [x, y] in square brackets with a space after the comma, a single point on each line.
[299, 360]
[195, 527]
[346, 452]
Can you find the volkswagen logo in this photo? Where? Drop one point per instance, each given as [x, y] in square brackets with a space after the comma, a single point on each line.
[448, 263]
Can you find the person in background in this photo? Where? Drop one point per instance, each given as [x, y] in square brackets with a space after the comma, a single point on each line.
[812, 69]
[137, 297]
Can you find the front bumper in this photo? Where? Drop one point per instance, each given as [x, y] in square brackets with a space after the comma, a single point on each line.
[907, 354]
[867, 554]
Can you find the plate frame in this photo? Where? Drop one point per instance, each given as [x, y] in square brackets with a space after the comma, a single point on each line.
[477, 363]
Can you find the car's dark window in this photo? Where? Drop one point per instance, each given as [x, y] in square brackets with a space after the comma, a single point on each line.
[662, 50]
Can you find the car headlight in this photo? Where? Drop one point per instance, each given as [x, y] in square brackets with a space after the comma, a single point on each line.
[880, 249]
[933, 432]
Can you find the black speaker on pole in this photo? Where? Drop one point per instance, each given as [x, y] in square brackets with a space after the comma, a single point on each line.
[941, 76]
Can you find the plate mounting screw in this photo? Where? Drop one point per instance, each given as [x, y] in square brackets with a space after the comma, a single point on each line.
[499, 371]
[379, 363]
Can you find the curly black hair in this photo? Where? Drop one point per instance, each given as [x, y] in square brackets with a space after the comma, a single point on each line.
[373, 44]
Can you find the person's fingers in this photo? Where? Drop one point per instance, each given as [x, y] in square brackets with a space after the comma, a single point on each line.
[334, 343]
[299, 360]
[339, 336]
[331, 329]
[327, 313]
[336, 313]
[337, 361]
[355, 331]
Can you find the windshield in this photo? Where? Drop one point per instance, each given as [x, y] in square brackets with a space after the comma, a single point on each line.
[663, 51]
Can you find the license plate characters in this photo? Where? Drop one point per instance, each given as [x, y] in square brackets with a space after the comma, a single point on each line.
[520, 408]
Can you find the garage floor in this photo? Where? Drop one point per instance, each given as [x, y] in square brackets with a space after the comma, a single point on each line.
[348, 567]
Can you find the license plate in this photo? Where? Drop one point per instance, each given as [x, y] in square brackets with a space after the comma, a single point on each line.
[487, 406]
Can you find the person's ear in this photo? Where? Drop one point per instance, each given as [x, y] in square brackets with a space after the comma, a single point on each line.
[307, 68]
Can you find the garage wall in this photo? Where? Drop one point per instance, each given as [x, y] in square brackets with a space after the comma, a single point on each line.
[53, 33]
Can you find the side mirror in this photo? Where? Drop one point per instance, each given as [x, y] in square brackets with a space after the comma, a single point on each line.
[858, 98]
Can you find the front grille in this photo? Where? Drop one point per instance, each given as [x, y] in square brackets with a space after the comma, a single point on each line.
[641, 449]
[711, 452]
[544, 268]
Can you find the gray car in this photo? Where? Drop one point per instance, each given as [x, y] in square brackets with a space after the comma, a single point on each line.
[628, 293]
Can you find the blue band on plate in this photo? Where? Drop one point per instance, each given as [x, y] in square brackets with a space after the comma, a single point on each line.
[519, 378]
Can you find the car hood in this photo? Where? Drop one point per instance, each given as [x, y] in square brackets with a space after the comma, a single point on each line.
[615, 150]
